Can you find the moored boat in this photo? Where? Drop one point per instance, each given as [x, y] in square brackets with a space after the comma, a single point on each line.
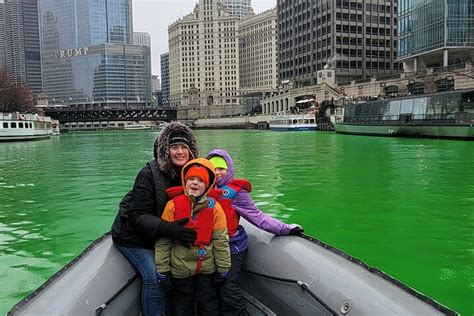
[136, 127]
[439, 115]
[293, 122]
[55, 127]
[284, 275]
[18, 126]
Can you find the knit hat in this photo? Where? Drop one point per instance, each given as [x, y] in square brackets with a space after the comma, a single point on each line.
[199, 171]
[178, 137]
[218, 162]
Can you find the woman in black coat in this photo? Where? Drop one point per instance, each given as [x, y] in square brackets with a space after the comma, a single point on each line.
[138, 224]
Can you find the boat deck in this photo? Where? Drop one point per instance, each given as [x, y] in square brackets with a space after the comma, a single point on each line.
[283, 275]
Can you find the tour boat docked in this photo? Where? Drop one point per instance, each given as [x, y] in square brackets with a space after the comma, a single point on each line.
[18, 126]
[136, 127]
[55, 126]
[293, 122]
[438, 115]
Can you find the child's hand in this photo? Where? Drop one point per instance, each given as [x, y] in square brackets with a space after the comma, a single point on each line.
[176, 231]
[164, 279]
[296, 231]
[221, 277]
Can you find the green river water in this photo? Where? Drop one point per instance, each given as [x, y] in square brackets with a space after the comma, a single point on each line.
[405, 206]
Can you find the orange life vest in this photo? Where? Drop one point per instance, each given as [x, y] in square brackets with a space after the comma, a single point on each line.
[201, 222]
[229, 191]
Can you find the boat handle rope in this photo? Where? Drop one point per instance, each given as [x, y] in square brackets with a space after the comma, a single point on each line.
[301, 284]
[99, 309]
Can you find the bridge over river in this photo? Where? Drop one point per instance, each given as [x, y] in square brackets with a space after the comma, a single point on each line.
[101, 114]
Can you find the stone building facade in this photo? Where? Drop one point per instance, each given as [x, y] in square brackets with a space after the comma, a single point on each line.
[204, 54]
[258, 52]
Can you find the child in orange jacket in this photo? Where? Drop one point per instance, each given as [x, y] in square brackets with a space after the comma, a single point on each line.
[194, 268]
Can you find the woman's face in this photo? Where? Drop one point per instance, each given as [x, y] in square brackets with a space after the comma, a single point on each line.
[179, 155]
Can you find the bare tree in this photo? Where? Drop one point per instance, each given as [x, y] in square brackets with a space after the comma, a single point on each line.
[14, 96]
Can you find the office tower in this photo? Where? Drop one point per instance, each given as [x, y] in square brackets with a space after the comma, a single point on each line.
[2, 33]
[435, 33]
[238, 8]
[141, 39]
[258, 52]
[87, 53]
[204, 55]
[356, 38]
[155, 84]
[20, 41]
[165, 77]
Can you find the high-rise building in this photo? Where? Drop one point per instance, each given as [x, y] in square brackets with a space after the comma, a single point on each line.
[238, 8]
[258, 52]
[204, 55]
[435, 33]
[2, 33]
[355, 38]
[20, 41]
[141, 39]
[155, 84]
[88, 56]
[165, 77]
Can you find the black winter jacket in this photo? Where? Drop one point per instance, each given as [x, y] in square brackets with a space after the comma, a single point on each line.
[137, 222]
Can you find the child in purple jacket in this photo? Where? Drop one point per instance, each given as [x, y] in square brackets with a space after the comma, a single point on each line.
[236, 202]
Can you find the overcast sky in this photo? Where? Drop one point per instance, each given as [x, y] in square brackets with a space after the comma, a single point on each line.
[154, 17]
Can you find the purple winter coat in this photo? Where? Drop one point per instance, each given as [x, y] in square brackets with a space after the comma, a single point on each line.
[245, 207]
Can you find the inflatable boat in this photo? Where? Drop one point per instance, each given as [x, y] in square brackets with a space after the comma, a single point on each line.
[284, 275]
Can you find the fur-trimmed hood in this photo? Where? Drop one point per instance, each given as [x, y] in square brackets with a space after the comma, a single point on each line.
[161, 147]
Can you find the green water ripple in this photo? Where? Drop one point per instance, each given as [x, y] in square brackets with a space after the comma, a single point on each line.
[402, 205]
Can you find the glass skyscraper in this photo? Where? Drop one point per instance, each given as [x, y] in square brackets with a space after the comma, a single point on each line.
[434, 33]
[88, 55]
[20, 41]
[237, 7]
[165, 77]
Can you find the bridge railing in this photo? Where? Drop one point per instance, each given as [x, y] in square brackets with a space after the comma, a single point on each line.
[65, 115]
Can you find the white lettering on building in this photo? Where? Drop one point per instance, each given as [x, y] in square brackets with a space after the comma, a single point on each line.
[69, 53]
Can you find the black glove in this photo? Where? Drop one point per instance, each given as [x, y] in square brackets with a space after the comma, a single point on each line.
[296, 231]
[164, 279]
[220, 278]
[176, 231]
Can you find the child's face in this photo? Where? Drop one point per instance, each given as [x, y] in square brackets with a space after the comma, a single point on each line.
[195, 186]
[220, 172]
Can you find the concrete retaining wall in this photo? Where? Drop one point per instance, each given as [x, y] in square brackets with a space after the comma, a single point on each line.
[243, 122]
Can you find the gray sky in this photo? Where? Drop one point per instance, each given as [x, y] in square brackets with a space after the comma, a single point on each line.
[154, 17]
